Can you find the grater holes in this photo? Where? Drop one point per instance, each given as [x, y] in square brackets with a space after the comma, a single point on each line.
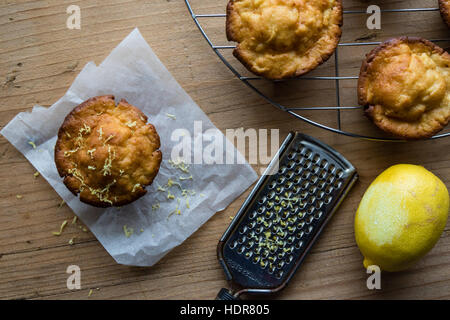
[321, 184]
[318, 215]
[305, 175]
[290, 239]
[331, 168]
[298, 170]
[308, 153]
[291, 155]
[316, 158]
[328, 199]
[304, 184]
[338, 184]
[280, 180]
[233, 244]
[298, 245]
[241, 250]
[309, 219]
[320, 194]
[289, 258]
[329, 189]
[242, 239]
[243, 230]
[323, 174]
[256, 259]
[262, 200]
[291, 164]
[323, 163]
[300, 234]
[272, 184]
[282, 170]
[288, 185]
[339, 173]
[314, 179]
[309, 230]
[318, 204]
[307, 164]
[253, 214]
[280, 264]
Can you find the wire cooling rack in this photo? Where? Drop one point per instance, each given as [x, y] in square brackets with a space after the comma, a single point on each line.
[296, 111]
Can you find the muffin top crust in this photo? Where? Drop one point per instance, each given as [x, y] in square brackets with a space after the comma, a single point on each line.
[107, 154]
[283, 38]
[444, 8]
[404, 85]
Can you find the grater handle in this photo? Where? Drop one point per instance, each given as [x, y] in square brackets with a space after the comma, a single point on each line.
[225, 294]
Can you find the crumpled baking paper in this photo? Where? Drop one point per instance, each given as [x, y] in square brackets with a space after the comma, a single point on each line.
[133, 72]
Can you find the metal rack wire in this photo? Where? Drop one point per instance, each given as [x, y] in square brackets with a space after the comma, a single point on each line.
[294, 111]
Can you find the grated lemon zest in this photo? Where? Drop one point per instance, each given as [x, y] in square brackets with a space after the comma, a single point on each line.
[100, 133]
[36, 174]
[131, 124]
[155, 206]
[31, 143]
[92, 168]
[19, 196]
[137, 185]
[128, 231]
[172, 116]
[90, 152]
[63, 225]
[107, 139]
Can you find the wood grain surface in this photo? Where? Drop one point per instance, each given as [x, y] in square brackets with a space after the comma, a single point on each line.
[39, 59]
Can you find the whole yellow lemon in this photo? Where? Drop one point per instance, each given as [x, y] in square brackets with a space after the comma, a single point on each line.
[401, 217]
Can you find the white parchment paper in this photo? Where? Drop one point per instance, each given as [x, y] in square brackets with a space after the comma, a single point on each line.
[133, 72]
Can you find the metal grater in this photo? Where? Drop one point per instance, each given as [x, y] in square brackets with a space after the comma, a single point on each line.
[283, 216]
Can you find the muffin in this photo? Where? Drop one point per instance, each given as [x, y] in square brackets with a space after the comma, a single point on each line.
[404, 86]
[107, 154]
[444, 8]
[280, 39]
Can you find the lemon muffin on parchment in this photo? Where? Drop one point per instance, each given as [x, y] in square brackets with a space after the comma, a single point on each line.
[107, 153]
[444, 8]
[280, 39]
[404, 85]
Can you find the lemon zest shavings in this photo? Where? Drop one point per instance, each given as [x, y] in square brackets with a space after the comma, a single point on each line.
[61, 204]
[107, 139]
[171, 116]
[128, 231]
[137, 185]
[63, 225]
[31, 143]
[180, 165]
[92, 168]
[131, 124]
[74, 220]
[100, 133]
[90, 152]
[186, 178]
[19, 196]
[155, 206]
[176, 210]
[36, 174]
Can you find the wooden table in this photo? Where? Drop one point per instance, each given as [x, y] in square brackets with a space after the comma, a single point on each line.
[39, 59]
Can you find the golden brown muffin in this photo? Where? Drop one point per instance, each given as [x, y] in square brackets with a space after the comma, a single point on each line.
[280, 39]
[404, 85]
[106, 153]
[444, 7]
